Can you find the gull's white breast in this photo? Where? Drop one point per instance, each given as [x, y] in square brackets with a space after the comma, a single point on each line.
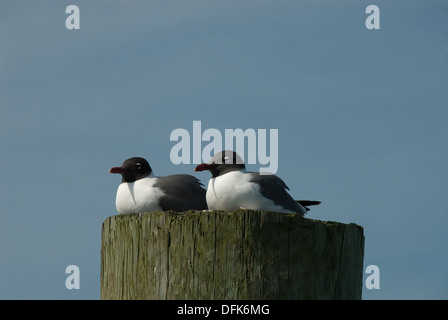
[234, 190]
[139, 196]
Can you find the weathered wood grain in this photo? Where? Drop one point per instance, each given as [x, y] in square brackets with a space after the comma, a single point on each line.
[220, 255]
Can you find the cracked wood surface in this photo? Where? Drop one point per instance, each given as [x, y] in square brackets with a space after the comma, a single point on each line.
[244, 254]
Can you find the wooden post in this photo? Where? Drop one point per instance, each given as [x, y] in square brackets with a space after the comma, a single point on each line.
[220, 255]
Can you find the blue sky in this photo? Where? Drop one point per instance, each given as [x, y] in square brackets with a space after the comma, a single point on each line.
[361, 116]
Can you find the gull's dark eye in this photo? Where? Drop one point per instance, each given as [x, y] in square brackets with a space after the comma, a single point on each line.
[138, 166]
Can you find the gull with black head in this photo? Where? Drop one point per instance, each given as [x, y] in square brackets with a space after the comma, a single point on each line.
[141, 191]
[232, 187]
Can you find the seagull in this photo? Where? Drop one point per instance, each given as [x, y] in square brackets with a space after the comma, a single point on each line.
[141, 191]
[231, 187]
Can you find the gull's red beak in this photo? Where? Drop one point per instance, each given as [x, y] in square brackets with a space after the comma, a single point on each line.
[119, 170]
[202, 167]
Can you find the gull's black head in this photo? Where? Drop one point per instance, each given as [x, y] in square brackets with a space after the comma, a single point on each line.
[133, 169]
[222, 162]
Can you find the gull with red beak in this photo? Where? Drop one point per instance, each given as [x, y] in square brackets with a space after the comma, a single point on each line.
[231, 187]
[141, 191]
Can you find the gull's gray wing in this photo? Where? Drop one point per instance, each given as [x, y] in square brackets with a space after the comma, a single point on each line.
[182, 192]
[274, 188]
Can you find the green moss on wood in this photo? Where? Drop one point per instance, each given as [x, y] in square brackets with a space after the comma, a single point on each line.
[243, 254]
